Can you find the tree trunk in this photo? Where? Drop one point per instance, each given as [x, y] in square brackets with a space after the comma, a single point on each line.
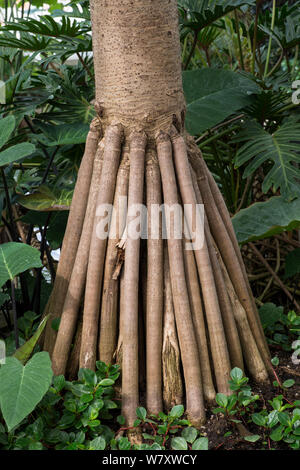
[200, 316]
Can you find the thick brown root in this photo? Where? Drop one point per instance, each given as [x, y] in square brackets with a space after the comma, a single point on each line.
[72, 235]
[111, 158]
[113, 262]
[154, 294]
[221, 206]
[232, 338]
[130, 367]
[77, 282]
[174, 317]
[218, 344]
[172, 380]
[184, 323]
[199, 323]
[228, 253]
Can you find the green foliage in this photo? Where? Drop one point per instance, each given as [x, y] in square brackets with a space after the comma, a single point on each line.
[265, 219]
[7, 126]
[161, 429]
[280, 328]
[24, 352]
[292, 263]
[274, 422]
[212, 95]
[15, 258]
[23, 387]
[203, 13]
[278, 147]
[67, 134]
[280, 424]
[72, 416]
[235, 406]
[16, 152]
[47, 199]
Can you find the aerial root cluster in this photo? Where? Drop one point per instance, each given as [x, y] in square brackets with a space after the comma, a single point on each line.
[176, 320]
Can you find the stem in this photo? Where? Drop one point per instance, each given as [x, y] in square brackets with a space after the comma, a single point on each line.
[9, 207]
[266, 264]
[13, 298]
[255, 36]
[295, 59]
[49, 165]
[270, 38]
[192, 50]
[239, 38]
[85, 66]
[14, 235]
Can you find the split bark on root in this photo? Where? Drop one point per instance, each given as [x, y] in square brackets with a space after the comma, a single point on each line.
[200, 319]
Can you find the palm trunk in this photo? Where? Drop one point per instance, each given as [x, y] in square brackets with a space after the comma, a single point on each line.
[200, 314]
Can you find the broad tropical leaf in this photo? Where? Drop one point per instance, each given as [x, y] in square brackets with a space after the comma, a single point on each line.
[76, 12]
[24, 352]
[47, 26]
[46, 199]
[282, 148]
[265, 219]
[7, 126]
[23, 387]
[15, 153]
[214, 94]
[66, 134]
[16, 258]
[202, 13]
[26, 42]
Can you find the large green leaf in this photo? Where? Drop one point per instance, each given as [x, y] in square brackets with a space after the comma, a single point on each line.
[270, 314]
[15, 153]
[264, 219]
[24, 352]
[16, 258]
[46, 199]
[202, 13]
[7, 126]
[214, 94]
[47, 26]
[23, 387]
[66, 134]
[282, 147]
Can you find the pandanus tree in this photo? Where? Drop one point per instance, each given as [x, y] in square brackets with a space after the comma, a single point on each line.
[175, 319]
